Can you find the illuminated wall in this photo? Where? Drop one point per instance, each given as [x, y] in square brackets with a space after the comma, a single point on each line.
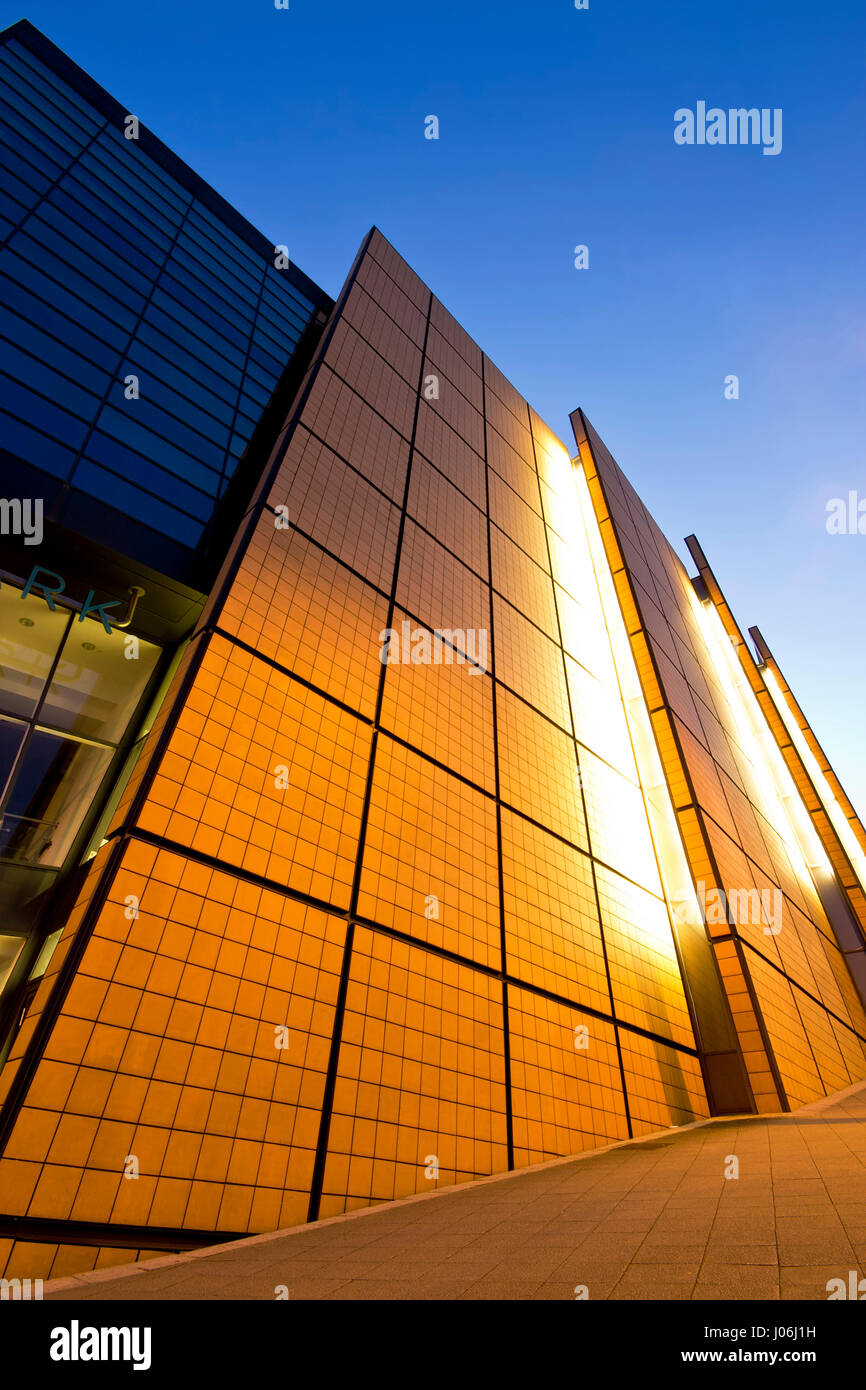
[744, 817]
[364, 926]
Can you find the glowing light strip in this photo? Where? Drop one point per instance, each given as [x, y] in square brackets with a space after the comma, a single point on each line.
[837, 816]
[677, 884]
[782, 804]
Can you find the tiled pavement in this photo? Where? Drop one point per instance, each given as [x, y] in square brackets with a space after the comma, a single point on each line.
[651, 1219]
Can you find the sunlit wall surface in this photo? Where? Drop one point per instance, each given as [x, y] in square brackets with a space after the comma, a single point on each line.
[751, 845]
[364, 927]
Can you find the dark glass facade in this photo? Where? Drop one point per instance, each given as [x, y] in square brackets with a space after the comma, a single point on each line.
[142, 333]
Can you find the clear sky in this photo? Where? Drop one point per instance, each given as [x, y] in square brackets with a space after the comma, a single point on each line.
[556, 129]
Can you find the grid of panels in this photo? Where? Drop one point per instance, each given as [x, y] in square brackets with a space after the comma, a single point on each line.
[412, 787]
[552, 933]
[335, 506]
[644, 971]
[660, 1078]
[167, 1053]
[794, 962]
[565, 1079]
[429, 866]
[303, 610]
[420, 1093]
[444, 710]
[263, 774]
[112, 270]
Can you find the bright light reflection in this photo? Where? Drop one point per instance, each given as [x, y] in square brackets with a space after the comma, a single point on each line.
[837, 816]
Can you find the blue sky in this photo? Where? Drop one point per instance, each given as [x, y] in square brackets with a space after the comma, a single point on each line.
[556, 129]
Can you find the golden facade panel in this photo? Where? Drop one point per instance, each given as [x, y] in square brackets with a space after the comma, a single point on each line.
[514, 519]
[552, 934]
[400, 349]
[343, 421]
[565, 1079]
[355, 362]
[448, 401]
[512, 428]
[530, 664]
[303, 610]
[265, 775]
[505, 393]
[599, 719]
[444, 710]
[419, 1101]
[446, 359]
[430, 857]
[389, 297]
[617, 822]
[645, 976]
[444, 325]
[538, 769]
[192, 1054]
[520, 477]
[524, 583]
[664, 1084]
[337, 508]
[450, 453]
[448, 515]
[403, 276]
[443, 593]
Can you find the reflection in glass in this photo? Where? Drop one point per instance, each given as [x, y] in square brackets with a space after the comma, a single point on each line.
[56, 781]
[29, 637]
[96, 687]
[11, 737]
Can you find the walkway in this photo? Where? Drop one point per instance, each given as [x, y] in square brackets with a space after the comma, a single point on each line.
[654, 1218]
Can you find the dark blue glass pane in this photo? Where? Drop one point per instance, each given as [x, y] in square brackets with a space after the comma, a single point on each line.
[144, 168]
[110, 167]
[12, 211]
[177, 283]
[215, 249]
[17, 110]
[117, 266]
[35, 447]
[186, 425]
[39, 73]
[157, 328]
[98, 482]
[54, 356]
[217, 403]
[208, 279]
[66, 318]
[42, 257]
[27, 405]
[36, 178]
[110, 222]
[144, 473]
[129, 431]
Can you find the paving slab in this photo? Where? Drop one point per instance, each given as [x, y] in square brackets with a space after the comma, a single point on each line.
[656, 1217]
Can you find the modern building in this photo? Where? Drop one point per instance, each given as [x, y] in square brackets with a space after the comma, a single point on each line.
[452, 825]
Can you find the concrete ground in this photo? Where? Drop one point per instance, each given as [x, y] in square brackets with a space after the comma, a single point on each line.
[653, 1218]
